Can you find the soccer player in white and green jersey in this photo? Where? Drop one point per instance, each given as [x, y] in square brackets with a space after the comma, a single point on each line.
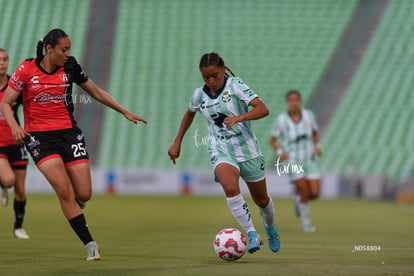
[295, 138]
[234, 151]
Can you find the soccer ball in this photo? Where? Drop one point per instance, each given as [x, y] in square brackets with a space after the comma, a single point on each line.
[230, 244]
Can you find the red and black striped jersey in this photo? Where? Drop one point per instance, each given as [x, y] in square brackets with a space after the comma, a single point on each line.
[6, 137]
[47, 97]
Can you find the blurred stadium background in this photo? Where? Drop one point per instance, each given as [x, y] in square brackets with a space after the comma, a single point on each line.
[351, 59]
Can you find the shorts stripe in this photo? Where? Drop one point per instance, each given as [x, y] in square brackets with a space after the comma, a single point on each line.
[76, 162]
[47, 158]
[4, 156]
[18, 163]
[226, 162]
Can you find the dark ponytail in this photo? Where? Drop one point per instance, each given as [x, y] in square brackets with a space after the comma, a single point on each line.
[52, 39]
[214, 59]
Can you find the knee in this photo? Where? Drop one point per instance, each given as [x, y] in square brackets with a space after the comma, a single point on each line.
[8, 180]
[84, 196]
[262, 202]
[65, 194]
[314, 196]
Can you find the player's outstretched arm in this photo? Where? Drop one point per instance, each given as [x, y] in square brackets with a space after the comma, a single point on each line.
[19, 134]
[259, 111]
[102, 96]
[174, 151]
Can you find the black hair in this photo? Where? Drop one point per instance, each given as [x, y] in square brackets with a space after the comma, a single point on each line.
[210, 59]
[293, 92]
[2, 50]
[52, 39]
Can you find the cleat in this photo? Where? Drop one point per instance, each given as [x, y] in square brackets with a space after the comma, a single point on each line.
[92, 251]
[4, 197]
[309, 228]
[274, 238]
[19, 233]
[81, 204]
[255, 242]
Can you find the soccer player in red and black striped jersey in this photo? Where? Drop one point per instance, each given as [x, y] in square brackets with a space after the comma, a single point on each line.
[52, 137]
[13, 158]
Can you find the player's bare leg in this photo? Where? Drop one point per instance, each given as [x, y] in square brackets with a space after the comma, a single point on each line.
[314, 188]
[303, 190]
[19, 204]
[55, 172]
[258, 191]
[7, 180]
[80, 177]
[228, 176]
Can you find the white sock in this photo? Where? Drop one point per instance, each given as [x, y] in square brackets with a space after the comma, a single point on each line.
[304, 213]
[296, 197]
[240, 211]
[268, 213]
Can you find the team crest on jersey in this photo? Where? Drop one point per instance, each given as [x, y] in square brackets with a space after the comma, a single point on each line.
[226, 97]
[65, 77]
[33, 142]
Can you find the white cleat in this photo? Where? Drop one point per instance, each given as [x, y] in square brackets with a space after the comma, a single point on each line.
[92, 251]
[21, 234]
[4, 197]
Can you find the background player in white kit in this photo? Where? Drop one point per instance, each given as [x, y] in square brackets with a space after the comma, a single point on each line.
[295, 138]
[224, 102]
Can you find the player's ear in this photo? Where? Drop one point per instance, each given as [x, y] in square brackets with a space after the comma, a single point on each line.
[49, 48]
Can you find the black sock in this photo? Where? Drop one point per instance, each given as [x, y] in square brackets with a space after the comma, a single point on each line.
[81, 228]
[19, 210]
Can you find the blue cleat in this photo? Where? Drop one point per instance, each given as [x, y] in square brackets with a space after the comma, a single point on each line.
[274, 238]
[255, 242]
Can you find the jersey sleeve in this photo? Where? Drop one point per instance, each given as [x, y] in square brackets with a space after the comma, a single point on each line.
[18, 80]
[276, 128]
[195, 102]
[79, 74]
[244, 92]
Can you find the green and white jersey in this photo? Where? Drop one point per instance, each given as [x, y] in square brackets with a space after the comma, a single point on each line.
[239, 142]
[295, 138]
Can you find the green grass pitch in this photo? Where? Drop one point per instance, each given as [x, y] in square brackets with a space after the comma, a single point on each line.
[173, 236]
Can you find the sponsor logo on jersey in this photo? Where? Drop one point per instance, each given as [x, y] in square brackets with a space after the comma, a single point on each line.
[44, 97]
[226, 97]
[79, 137]
[203, 105]
[33, 142]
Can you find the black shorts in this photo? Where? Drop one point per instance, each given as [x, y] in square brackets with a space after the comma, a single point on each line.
[16, 155]
[67, 144]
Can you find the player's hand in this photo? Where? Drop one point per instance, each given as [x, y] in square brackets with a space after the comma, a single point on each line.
[174, 151]
[283, 156]
[134, 118]
[19, 135]
[230, 121]
[318, 151]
